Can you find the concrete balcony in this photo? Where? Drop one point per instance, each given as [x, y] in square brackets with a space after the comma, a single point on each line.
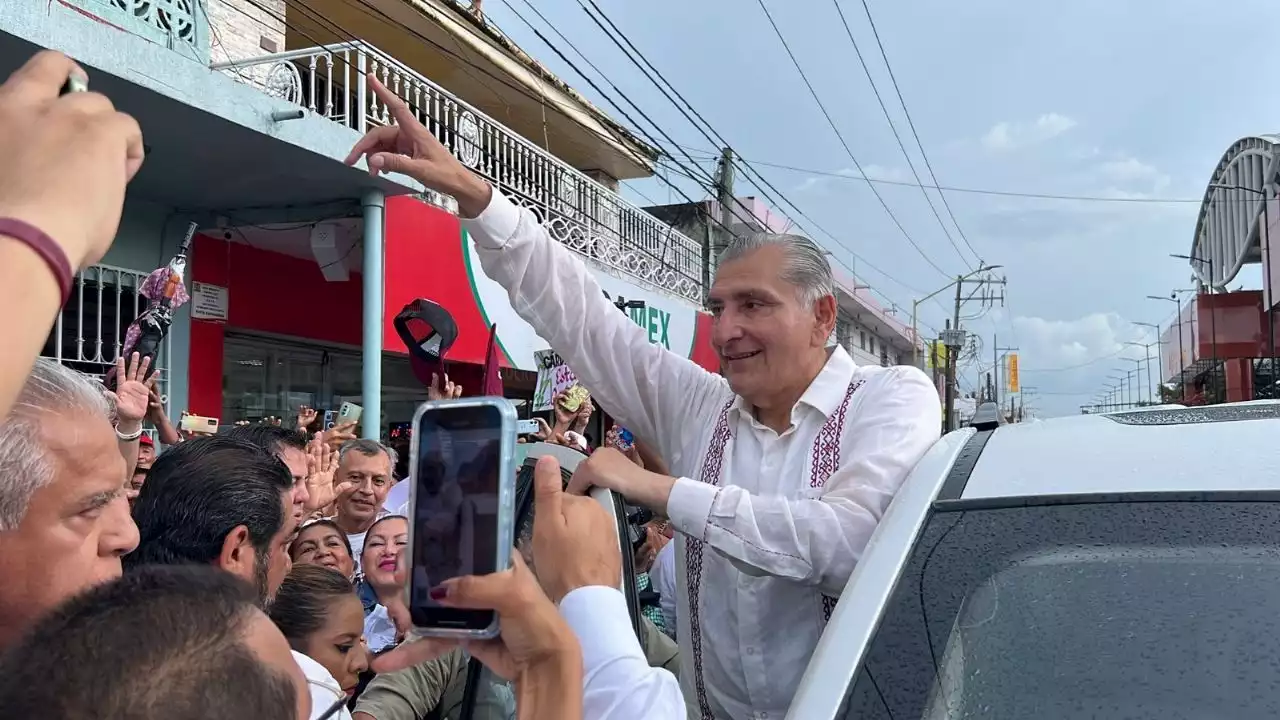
[179, 25]
[586, 216]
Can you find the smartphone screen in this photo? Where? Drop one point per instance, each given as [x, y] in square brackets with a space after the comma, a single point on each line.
[456, 509]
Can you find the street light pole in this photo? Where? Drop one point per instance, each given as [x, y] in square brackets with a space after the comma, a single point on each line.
[1182, 380]
[1213, 313]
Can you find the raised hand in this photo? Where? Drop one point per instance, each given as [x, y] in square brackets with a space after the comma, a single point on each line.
[564, 418]
[544, 430]
[409, 148]
[339, 434]
[63, 150]
[306, 416]
[585, 412]
[322, 464]
[450, 390]
[133, 393]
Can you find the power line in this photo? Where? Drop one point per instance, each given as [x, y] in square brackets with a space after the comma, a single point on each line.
[704, 127]
[910, 123]
[896, 136]
[978, 191]
[840, 136]
[686, 108]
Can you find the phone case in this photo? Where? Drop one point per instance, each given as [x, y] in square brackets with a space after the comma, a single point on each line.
[349, 411]
[506, 499]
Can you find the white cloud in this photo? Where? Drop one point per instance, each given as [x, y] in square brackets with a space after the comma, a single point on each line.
[1129, 177]
[1007, 136]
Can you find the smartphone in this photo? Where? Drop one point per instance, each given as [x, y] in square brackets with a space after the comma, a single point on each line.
[626, 440]
[349, 412]
[199, 424]
[527, 427]
[330, 419]
[462, 507]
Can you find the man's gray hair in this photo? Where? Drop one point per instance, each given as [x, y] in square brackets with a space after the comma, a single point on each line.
[25, 465]
[368, 448]
[806, 263]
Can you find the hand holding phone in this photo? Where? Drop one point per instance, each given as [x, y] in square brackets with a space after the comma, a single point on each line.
[462, 452]
[574, 539]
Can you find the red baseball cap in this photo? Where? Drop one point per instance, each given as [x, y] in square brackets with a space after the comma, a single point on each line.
[427, 331]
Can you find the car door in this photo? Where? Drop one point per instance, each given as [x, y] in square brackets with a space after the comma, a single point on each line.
[480, 682]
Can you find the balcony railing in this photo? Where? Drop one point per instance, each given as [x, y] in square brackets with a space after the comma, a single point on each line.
[581, 213]
[180, 25]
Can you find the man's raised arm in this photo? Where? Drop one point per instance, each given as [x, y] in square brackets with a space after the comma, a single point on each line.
[648, 388]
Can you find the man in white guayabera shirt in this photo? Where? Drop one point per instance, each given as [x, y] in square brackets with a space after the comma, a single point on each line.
[783, 466]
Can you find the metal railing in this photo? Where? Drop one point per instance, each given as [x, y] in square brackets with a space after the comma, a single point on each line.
[578, 211]
[89, 332]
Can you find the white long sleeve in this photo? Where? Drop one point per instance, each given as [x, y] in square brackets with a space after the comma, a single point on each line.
[618, 683]
[643, 385]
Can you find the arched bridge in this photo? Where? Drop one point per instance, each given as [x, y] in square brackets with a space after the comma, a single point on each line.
[1228, 226]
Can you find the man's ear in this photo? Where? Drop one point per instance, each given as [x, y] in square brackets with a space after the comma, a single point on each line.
[824, 314]
[238, 556]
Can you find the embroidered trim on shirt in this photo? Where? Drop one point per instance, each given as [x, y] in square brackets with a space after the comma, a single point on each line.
[712, 466]
[825, 458]
[826, 448]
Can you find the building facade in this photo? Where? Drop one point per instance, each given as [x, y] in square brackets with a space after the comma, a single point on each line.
[299, 262]
[1221, 345]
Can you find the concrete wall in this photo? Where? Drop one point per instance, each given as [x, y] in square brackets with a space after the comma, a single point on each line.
[240, 29]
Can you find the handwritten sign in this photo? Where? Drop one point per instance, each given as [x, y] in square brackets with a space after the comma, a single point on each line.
[554, 377]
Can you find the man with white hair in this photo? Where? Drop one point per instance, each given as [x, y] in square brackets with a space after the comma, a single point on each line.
[782, 467]
[64, 518]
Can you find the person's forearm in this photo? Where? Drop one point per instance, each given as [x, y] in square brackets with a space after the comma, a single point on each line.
[26, 283]
[552, 688]
[647, 387]
[168, 434]
[618, 683]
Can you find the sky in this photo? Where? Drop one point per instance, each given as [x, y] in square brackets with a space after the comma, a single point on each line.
[1097, 98]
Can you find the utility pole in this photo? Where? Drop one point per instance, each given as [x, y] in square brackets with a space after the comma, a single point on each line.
[954, 336]
[995, 368]
[719, 234]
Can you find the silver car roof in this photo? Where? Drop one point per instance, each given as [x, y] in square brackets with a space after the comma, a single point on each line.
[1233, 447]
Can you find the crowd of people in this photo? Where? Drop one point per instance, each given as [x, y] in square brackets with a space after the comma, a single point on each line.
[259, 572]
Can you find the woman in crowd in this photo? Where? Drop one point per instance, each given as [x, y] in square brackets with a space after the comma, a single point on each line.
[322, 543]
[384, 626]
[319, 614]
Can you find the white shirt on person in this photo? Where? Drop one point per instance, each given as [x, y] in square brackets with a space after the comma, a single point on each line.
[379, 629]
[663, 576]
[324, 689]
[618, 683]
[775, 531]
